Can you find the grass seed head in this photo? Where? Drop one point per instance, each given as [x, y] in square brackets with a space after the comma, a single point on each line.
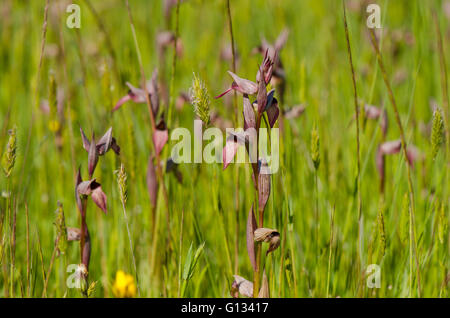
[9, 157]
[404, 220]
[381, 230]
[437, 132]
[442, 223]
[54, 124]
[91, 289]
[122, 181]
[61, 230]
[200, 99]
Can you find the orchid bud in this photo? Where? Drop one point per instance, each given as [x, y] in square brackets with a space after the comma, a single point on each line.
[243, 286]
[86, 142]
[92, 156]
[249, 114]
[261, 98]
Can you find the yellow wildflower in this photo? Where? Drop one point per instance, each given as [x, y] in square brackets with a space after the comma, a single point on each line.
[124, 286]
[54, 125]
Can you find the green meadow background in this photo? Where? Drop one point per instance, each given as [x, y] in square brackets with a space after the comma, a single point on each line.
[202, 208]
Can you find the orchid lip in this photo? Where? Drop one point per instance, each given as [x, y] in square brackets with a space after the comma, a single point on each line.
[224, 93]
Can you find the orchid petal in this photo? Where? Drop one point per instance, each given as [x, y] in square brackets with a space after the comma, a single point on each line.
[229, 151]
[160, 137]
[224, 93]
[244, 86]
[270, 99]
[272, 113]
[121, 101]
[249, 114]
[261, 98]
[99, 198]
[92, 156]
[86, 142]
[104, 144]
[391, 147]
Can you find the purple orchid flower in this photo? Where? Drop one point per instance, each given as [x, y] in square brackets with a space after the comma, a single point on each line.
[137, 95]
[390, 148]
[373, 112]
[99, 148]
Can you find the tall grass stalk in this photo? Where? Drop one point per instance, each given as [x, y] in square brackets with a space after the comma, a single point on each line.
[122, 182]
[13, 247]
[180, 251]
[444, 82]
[330, 252]
[236, 123]
[315, 157]
[28, 249]
[41, 258]
[358, 161]
[233, 57]
[257, 272]
[174, 65]
[413, 244]
[445, 98]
